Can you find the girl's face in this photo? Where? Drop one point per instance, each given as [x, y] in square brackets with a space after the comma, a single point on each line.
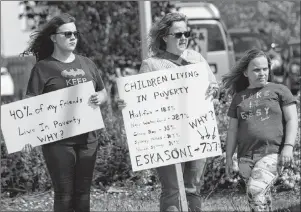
[257, 72]
[174, 43]
[66, 37]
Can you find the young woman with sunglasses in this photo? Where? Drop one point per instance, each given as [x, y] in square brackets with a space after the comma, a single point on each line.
[70, 161]
[168, 46]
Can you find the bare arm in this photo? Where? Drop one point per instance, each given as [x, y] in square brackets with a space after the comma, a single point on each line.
[291, 127]
[231, 142]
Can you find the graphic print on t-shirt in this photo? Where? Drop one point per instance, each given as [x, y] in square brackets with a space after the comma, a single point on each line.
[74, 76]
[73, 73]
[256, 110]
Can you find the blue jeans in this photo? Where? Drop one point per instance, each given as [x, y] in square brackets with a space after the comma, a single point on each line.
[71, 170]
[170, 196]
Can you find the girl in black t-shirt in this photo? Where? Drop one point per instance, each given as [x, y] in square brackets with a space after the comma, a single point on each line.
[70, 161]
[263, 125]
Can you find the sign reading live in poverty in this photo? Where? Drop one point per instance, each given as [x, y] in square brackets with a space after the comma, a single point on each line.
[167, 118]
[50, 117]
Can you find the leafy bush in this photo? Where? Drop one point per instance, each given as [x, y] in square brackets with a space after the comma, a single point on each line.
[21, 172]
[113, 45]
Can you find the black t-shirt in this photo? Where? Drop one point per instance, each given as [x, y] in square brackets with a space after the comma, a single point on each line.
[51, 74]
[261, 124]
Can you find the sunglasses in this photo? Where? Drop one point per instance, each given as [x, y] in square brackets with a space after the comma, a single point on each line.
[179, 34]
[68, 34]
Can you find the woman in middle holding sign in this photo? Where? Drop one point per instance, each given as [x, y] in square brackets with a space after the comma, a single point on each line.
[168, 45]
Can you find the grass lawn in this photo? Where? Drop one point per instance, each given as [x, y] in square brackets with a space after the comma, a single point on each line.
[145, 200]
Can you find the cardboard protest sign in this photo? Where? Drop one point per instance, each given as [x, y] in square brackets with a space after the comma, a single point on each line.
[167, 119]
[50, 117]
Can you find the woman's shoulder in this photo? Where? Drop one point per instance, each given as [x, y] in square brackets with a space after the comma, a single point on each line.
[42, 64]
[154, 63]
[152, 59]
[146, 64]
[88, 61]
[277, 86]
[84, 58]
[280, 89]
[193, 56]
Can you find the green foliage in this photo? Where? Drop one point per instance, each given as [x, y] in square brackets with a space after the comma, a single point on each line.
[277, 20]
[110, 36]
[110, 33]
[22, 172]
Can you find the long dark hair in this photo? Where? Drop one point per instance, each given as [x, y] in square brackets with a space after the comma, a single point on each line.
[41, 46]
[235, 81]
[161, 29]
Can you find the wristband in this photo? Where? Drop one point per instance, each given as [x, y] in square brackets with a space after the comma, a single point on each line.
[289, 145]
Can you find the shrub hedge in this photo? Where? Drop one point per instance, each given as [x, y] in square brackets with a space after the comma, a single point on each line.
[22, 172]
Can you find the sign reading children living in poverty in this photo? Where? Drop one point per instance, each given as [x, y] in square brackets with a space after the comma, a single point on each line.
[50, 117]
[167, 118]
